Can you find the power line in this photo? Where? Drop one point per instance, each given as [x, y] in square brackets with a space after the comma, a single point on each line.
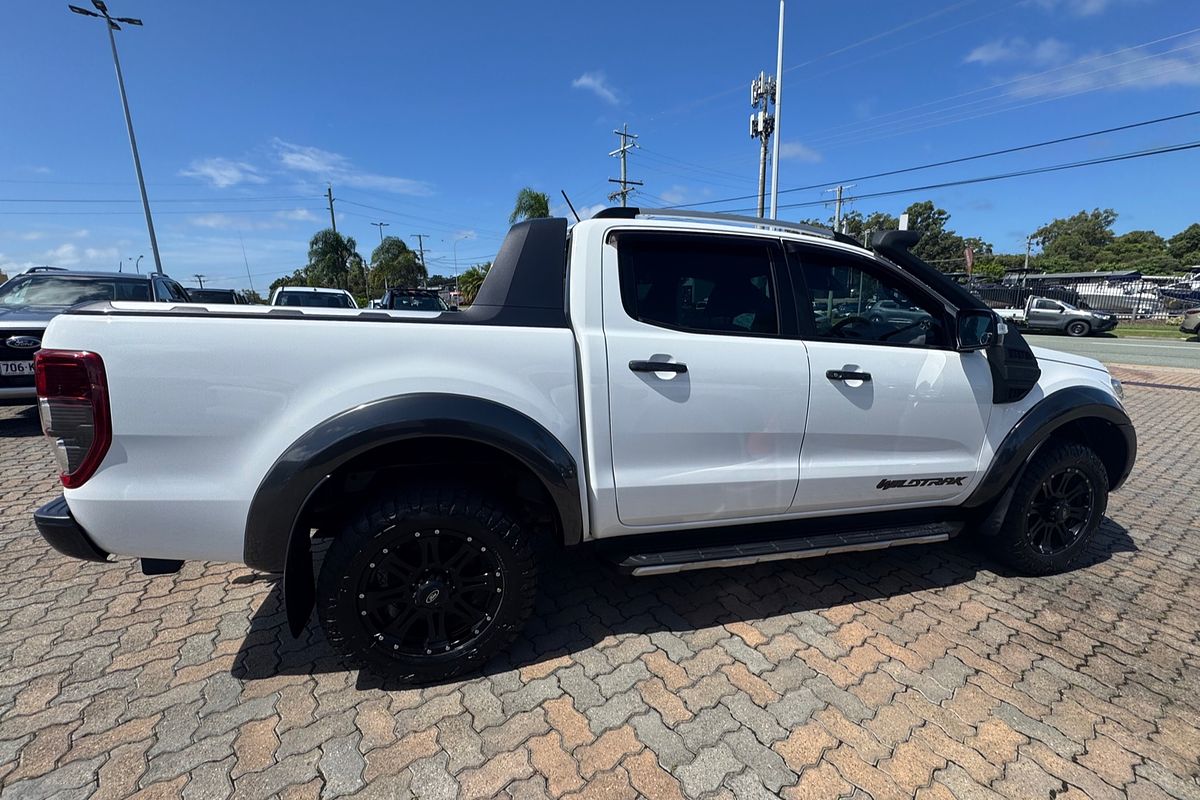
[253, 199]
[89, 213]
[962, 159]
[1002, 176]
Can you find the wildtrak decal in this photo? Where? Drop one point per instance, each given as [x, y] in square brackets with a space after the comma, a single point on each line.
[909, 483]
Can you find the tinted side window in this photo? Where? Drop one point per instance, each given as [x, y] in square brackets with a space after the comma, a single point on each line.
[708, 284]
[1045, 305]
[853, 301]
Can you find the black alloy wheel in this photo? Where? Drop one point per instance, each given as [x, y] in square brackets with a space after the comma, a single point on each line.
[1056, 508]
[430, 591]
[427, 582]
[1058, 516]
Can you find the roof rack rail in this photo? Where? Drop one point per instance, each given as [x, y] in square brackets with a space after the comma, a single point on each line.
[619, 212]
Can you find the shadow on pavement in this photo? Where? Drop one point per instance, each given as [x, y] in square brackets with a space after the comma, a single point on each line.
[582, 601]
[18, 422]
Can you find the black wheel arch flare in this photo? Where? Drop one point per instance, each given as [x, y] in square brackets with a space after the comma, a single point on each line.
[275, 541]
[1048, 416]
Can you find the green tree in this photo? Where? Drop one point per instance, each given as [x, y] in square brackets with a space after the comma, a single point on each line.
[470, 281]
[1072, 244]
[1144, 251]
[252, 297]
[1185, 245]
[939, 245]
[861, 227]
[531, 204]
[439, 280]
[331, 257]
[989, 270]
[393, 264]
[298, 278]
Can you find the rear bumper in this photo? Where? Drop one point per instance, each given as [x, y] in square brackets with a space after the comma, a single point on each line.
[18, 395]
[58, 527]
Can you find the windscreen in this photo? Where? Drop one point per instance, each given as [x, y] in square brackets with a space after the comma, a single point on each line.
[54, 290]
[313, 300]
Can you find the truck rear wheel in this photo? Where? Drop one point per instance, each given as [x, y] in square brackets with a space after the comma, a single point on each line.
[1078, 328]
[426, 583]
[1056, 508]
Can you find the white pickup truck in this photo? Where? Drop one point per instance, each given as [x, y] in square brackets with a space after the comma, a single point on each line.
[672, 390]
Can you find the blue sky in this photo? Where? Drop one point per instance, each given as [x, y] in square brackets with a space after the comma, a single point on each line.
[430, 117]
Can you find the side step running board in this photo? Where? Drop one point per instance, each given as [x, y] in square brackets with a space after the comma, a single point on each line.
[754, 552]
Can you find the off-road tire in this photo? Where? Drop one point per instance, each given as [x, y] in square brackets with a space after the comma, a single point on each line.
[1078, 328]
[1021, 541]
[389, 522]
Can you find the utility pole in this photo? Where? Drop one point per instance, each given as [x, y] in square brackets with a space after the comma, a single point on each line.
[111, 25]
[421, 250]
[628, 142]
[332, 220]
[381, 226]
[200, 279]
[762, 124]
[778, 116]
[837, 208]
[1028, 245]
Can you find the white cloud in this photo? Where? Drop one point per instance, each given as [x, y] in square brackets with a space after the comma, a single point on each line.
[1047, 51]
[31, 236]
[82, 233]
[102, 253]
[674, 195]
[335, 167]
[597, 83]
[587, 212]
[1131, 69]
[799, 152]
[222, 172]
[296, 215]
[65, 255]
[213, 221]
[1083, 8]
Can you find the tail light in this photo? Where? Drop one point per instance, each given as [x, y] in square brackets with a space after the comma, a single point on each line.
[73, 403]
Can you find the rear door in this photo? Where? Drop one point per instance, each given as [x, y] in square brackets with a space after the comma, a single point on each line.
[707, 380]
[897, 417]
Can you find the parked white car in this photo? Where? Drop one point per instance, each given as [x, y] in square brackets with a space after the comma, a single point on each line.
[655, 387]
[312, 297]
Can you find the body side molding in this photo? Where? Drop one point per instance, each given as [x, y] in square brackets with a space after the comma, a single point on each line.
[1037, 425]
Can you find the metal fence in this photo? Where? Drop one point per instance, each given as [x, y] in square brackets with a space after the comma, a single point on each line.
[1158, 297]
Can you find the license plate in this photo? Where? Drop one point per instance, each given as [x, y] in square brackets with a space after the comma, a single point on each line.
[16, 368]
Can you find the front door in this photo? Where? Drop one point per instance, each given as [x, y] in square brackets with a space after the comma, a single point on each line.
[708, 384]
[897, 417]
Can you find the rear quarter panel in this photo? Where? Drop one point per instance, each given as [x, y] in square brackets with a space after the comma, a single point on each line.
[201, 408]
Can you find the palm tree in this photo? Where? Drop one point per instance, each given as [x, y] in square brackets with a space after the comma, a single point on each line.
[530, 205]
[470, 281]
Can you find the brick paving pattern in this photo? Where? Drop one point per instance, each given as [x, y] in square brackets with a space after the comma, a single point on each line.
[924, 672]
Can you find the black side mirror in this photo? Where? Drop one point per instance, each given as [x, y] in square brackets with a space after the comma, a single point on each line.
[976, 329]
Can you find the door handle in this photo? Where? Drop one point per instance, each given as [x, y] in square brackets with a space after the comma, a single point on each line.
[843, 375]
[657, 366]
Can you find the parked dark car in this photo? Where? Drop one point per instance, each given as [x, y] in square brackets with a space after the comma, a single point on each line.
[413, 300]
[29, 301]
[227, 296]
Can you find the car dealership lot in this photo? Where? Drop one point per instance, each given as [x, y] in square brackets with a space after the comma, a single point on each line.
[915, 671]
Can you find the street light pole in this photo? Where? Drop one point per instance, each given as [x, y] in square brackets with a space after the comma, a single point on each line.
[138, 264]
[111, 25]
[381, 226]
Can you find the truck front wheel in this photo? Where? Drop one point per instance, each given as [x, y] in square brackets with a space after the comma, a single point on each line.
[1056, 508]
[1078, 328]
[426, 583]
